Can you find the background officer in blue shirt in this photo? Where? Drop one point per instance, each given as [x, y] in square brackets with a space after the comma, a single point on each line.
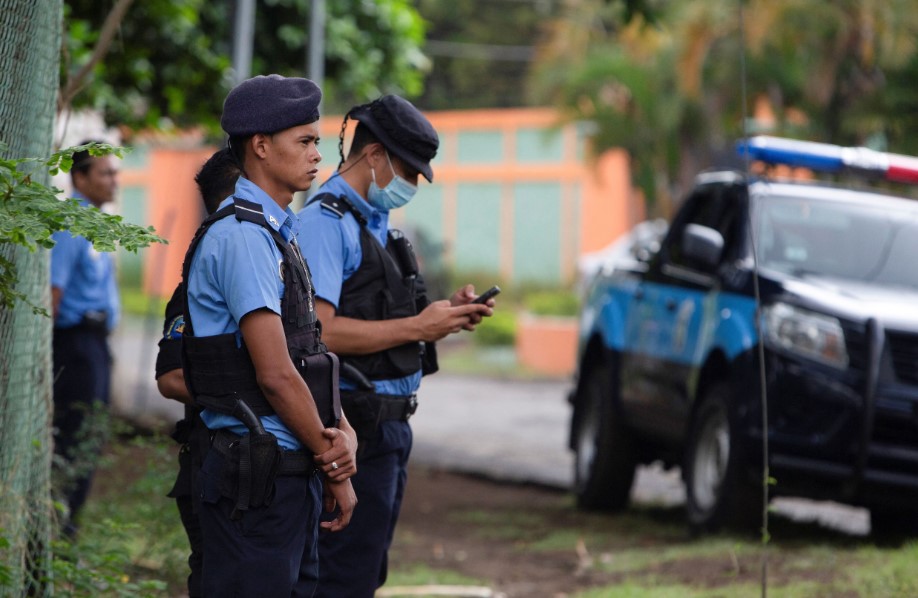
[375, 314]
[84, 298]
[260, 499]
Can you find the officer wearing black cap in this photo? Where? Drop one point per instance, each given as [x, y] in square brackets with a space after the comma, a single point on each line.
[375, 314]
[254, 360]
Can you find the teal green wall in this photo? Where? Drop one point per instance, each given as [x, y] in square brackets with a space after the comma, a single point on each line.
[136, 158]
[478, 216]
[536, 232]
[539, 145]
[480, 147]
[424, 227]
[133, 209]
[425, 212]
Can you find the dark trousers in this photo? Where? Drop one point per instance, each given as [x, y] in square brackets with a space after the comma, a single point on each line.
[270, 551]
[82, 378]
[195, 540]
[353, 563]
[191, 433]
[182, 493]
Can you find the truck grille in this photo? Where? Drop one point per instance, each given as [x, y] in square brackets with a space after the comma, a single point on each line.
[904, 351]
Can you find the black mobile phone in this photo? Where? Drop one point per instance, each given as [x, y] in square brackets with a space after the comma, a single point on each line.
[493, 291]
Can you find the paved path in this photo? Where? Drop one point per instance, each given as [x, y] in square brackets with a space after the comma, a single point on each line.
[512, 431]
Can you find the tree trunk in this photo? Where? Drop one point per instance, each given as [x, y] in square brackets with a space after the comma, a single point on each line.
[30, 41]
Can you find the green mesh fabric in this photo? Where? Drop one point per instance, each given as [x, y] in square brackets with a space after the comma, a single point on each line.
[30, 41]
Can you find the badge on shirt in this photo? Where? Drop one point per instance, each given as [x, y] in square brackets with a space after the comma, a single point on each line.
[175, 329]
[273, 221]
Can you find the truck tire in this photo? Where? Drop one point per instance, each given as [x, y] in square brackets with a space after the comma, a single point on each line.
[718, 492]
[604, 453]
[893, 523]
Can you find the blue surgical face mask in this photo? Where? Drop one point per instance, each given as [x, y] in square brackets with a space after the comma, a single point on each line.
[394, 195]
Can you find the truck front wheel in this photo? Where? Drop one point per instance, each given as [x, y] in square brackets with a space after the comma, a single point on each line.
[718, 493]
[605, 456]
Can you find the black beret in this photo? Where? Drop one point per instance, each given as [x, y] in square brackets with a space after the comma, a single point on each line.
[402, 130]
[267, 104]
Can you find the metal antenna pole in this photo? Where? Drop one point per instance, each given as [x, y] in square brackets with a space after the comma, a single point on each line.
[316, 49]
[243, 40]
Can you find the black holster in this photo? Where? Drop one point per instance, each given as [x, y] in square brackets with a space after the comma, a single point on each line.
[259, 458]
[251, 463]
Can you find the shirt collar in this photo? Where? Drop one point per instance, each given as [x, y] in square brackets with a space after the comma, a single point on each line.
[283, 221]
[336, 185]
[84, 201]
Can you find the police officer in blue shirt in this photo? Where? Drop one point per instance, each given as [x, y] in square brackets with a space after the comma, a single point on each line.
[251, 342]
[375, 314]
[84, 298]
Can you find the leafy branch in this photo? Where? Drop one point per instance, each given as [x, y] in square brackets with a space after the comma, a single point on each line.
[30, 212]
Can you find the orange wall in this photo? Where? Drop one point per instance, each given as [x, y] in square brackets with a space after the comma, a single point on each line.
[175, 210]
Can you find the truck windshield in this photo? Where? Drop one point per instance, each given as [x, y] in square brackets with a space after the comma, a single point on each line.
[856, 241]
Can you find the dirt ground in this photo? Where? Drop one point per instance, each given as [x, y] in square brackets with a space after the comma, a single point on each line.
[529, 541]
[485, 531]
[477, 527]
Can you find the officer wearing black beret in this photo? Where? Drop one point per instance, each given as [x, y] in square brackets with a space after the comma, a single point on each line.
[254, 360]
[376, 315]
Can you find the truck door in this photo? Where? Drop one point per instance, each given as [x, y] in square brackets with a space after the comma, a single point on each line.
[679, 298]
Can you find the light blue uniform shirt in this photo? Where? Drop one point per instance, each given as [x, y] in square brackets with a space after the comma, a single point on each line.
[85, 276]
[331, 246]
[236, 270]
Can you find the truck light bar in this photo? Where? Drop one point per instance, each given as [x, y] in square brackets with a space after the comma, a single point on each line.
[825, 157]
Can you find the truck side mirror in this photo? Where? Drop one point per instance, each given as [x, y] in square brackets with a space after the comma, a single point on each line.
[702, 244]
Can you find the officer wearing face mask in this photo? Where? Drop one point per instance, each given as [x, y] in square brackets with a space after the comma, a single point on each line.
[377, 318]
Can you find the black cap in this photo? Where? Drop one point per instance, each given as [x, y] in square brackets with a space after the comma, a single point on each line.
[402, 130]
[267, 104]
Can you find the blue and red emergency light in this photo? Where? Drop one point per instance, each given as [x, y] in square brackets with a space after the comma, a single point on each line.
[825, 157]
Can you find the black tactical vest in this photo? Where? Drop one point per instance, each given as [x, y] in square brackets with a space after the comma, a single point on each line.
[218, 371]
[386, 286]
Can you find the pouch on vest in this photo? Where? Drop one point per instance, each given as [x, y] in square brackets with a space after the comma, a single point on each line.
[403, 252]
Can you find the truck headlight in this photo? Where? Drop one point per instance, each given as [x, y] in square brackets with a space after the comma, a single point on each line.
[806, 333]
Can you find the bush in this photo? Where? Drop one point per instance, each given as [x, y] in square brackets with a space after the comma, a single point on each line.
[498, 330]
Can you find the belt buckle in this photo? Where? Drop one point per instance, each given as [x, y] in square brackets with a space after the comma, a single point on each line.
[411, 406]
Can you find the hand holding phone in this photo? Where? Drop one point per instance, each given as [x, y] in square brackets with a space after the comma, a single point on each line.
[483, 298]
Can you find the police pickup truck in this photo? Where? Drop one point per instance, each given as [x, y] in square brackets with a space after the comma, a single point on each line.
[814, 284]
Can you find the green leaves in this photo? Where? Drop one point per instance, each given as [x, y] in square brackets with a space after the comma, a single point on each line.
[170, 66]
[30, 213]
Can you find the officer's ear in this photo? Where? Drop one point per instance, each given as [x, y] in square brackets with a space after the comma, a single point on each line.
[258, 144]
[375, 153]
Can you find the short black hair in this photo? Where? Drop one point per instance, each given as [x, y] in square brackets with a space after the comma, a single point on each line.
[82, 160]
[363, 137]
[217, 178]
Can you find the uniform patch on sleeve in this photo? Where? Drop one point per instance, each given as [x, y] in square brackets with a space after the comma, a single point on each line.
[175, 329]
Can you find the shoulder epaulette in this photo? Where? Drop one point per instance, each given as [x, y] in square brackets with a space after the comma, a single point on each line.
[249, 211]
[338, 206]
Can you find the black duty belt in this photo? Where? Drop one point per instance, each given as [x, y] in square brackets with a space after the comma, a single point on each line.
[397, 407]
[92, 322]
[293, 463]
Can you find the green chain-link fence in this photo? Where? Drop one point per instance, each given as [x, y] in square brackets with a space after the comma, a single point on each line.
[30, 41]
